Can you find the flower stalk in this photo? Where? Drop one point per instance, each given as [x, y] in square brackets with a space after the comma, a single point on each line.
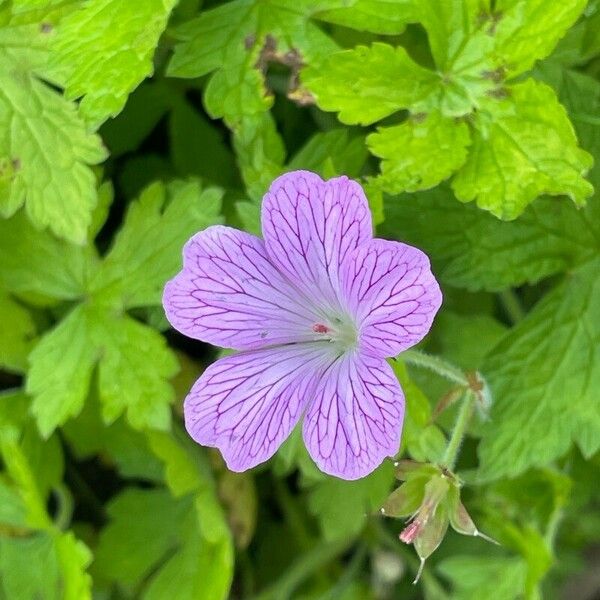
[460, 429]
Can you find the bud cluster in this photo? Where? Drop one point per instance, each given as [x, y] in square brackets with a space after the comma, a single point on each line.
[430, 499]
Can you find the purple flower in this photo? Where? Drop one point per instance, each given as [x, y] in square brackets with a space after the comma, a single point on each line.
[314, 309]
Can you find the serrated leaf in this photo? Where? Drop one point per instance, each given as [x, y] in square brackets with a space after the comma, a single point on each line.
[134, 365]
[543, 376]
[45, 158]
[529, 31]
[474, 250]
[133, 371]
[17, 330]
[523, 146]
[104, 68]
[519, 131]
[369, 83]
[421, 152]
[260, 153]
[230, 40]
[147, 249]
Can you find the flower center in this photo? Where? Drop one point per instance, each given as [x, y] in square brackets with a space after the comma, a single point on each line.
[340, 331]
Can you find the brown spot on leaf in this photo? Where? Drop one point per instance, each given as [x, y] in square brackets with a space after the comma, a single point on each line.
[46, 27]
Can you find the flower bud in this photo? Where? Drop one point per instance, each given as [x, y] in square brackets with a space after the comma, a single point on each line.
[430, 497]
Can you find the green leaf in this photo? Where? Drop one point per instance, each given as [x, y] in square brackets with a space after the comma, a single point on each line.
[65, 558]
[421, 152]
[123, 448]
[232, 38]
[104, 68]
[524, 146]
[529, 31]
[134, 366]
[260, 152]
[369, 83]
[26, 254]
[17, 330]
[542, 376]
[522, 143]
[29, 567]
[376, 16]
[61, 367]
[147, 249]
[45, 153]
[26, 30]
[198, 148]
[197, 570]
[475, 577]
[133, 371]
[337, 149]
[142, 530]
[342, 506]
[472, 249]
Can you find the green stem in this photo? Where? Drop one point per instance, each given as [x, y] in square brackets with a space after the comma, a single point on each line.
[65, 504]
[302, 569]
[512, 305]
[459, 430]
[436, 364]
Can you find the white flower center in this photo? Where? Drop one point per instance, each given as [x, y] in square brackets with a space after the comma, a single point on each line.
[340, 330]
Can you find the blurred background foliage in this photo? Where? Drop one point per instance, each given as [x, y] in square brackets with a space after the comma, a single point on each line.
[474, 126]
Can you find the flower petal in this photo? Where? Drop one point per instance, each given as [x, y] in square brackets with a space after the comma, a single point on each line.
[229, 294]
[355, 419]
[390, 290]
[311, 226]
[247, 404]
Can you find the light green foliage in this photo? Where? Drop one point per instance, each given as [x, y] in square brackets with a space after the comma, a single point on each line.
[421, 152]
[524, 146]
[466, 116]
[230, 39]
[103, 67]
[134, 364]
[16, 333]
[105, 175]
[377, 16]
[46, 561]
[45, 153]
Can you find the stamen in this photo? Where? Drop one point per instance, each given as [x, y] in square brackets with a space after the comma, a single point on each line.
[320, 328]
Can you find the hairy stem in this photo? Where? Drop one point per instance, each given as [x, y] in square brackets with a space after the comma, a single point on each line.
[436, 364]
[459, 430]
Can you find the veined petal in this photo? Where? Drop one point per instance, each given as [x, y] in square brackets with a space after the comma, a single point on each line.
[230, 295]
[355, 418]
[311, 226]
[392, 294]
[247, 404]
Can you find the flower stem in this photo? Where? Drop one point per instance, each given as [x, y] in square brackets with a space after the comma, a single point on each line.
[436, 364]
[459, 431]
